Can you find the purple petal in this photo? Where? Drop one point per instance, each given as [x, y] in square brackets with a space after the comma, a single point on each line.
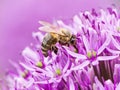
[115, 43]
[77, 21]
[98, 84]
[66, 66]
[15, 65]
[102, 58]
[113, 11]
[78, 56]
[29, 83]
[81, 66]
[37, 35]
[104, 45]
[109, 85]
[86, 43]
[118, 23]
[47, 73]
[67, 73]
[95, 62]
[93, 38]
[48, 81]
[113, 51]
[26, 67]
[116, 74]
[84, 78]
[118, 87]
[29, 54]
[71, 84]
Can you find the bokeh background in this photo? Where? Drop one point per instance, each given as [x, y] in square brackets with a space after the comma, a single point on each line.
[19, 18]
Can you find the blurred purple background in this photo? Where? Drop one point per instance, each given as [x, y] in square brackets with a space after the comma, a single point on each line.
[19, 18]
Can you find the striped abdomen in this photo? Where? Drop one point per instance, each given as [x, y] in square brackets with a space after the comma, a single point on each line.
[48, 41]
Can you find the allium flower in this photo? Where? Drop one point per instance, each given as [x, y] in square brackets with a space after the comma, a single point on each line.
[95, 65]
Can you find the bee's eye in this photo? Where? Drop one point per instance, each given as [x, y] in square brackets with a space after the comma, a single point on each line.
[72, 41]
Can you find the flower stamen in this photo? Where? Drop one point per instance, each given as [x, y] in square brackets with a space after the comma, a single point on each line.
[24, 74]
[91, 54]
[58, 71]
[118, 29]
[39, 64]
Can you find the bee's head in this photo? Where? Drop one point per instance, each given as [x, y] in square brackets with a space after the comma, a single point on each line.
[73, 40]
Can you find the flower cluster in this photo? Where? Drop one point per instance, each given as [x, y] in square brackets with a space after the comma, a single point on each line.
[95, 65]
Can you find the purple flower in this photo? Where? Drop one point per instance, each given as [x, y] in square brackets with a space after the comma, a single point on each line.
[95, 65]
[24, 16]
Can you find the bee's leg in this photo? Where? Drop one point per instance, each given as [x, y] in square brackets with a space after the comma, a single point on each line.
[76, 49]
[67, 44]
[46, 54]
[73, 42]
[55, 49]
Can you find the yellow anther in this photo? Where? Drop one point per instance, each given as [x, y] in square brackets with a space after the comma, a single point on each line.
[118, 28]
[39, 64]
[94, 53]
[58, 71]
[89, 54]
[24, 73]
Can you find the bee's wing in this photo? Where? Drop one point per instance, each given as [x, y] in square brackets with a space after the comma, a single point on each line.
[44, 23]
[47, 27]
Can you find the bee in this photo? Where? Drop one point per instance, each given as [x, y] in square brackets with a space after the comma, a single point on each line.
[53, 35]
